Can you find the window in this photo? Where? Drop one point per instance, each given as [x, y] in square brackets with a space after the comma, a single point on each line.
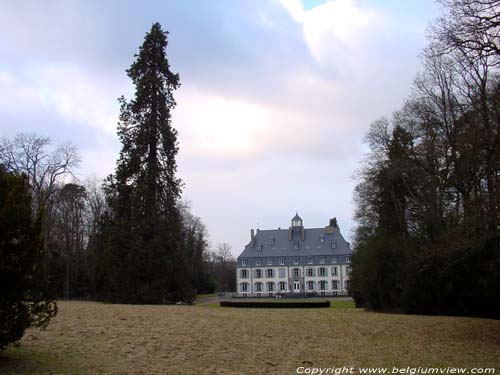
[269, 273]
[310, 272]
[258, 273]
[335, 284]
[348, 270]
[322, 271]
[244, 274]
[348, 259]
[296, 260]
[334, 245]
[282, 285]
[296, 246]
[244, 287]
[310, 285]
[310, 260]
[282, 273]
[346, 283]
[271, 241]
[257, 262]
[296, 272]
[322, 239]
[258, 287]
[323, 285]
[282, 261]
[270, 262]
[244, 262]
[334, 259]
[334, 271]
[322, 260]
[270, 286]
[260, 247]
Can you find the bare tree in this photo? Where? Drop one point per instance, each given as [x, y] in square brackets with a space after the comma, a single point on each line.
[469, 25]
[29, 154]
[46, 170]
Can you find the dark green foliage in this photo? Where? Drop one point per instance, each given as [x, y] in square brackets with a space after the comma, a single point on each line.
[24, 297]
[141, 259]
[428, 201]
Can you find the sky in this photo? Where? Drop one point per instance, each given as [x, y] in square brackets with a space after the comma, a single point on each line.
[275, 98]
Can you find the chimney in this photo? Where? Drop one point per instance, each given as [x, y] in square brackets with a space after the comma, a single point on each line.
[252, 234]
[290, 234]
[302, 234]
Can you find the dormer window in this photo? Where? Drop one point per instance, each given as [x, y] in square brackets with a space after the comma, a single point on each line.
[260, 247]
[296, 246]
[271, 241]
[244, 262]
[334, 245]
[322, 239]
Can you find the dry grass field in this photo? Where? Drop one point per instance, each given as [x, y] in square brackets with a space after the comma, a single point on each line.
[95, 338]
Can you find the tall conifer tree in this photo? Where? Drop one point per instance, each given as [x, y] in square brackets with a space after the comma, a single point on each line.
[145, 263]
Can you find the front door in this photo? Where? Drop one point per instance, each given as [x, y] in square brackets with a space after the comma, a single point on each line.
[296, 286]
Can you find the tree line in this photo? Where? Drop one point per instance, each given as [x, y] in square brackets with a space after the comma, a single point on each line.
[428, 197]
[128, 239]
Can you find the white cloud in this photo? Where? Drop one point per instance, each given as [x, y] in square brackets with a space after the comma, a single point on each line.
[77, 96]
[332, 30]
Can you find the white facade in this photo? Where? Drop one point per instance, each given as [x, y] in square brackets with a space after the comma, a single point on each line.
[326, 279]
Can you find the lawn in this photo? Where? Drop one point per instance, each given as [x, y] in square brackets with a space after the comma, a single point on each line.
[95, 338]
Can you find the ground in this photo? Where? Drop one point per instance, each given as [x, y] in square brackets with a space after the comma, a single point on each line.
[95, 338]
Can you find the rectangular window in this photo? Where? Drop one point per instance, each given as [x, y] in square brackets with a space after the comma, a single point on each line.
[295, 260]
[260, 247]
[258, 287]
[282, 285]
[270, 273]
[282, 261]
[334, 245]
[348, 270]
[310, 272]
[296, 272]
[348, 259]
[310, 260]
[310, 285]
[334, 271]
[270, 286]
[257, 262]
[270, 262]
[334, 259]
[258, 273]
[244, 287]
[282, 273]
[323, 285]
[322, 260]
[335, 284]
[322, 271]
[244, 262]
[244, 274]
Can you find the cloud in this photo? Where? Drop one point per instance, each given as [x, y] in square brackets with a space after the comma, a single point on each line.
[274, 101]
[333, 30]
[77, 96]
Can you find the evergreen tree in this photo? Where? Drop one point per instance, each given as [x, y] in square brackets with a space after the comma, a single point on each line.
[145, 263]
[24, 297]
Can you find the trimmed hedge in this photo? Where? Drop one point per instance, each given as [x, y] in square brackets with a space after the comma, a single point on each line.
[269, 304]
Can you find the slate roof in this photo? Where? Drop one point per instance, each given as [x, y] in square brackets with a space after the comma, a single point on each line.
[281, 246]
